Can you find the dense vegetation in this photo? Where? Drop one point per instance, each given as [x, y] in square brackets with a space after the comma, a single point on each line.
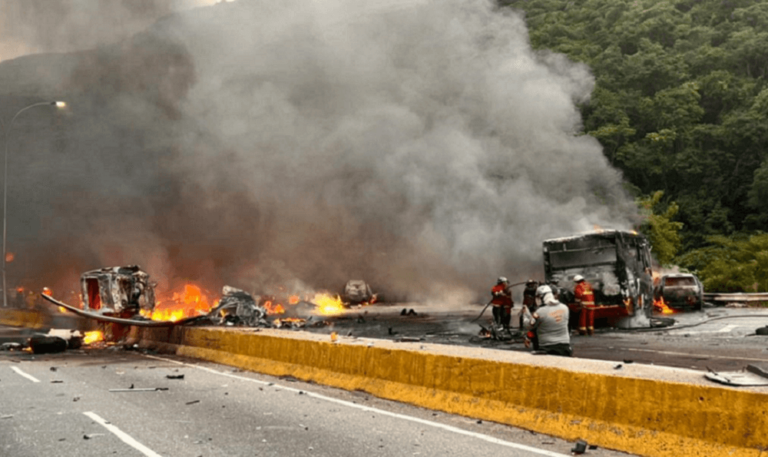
[681, 107]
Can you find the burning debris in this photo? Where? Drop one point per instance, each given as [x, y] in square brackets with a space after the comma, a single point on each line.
[238, 307]
[93, 337]
[121, 297]
[117, 295]
[660, 306]
[188, 303]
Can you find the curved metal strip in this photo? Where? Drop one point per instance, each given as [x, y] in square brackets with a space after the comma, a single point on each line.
[119, 320]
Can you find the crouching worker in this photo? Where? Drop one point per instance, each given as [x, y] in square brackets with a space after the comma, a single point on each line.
[549, 323]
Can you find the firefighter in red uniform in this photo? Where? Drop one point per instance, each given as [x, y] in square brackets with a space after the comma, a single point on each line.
[585, 299]
[502, 303]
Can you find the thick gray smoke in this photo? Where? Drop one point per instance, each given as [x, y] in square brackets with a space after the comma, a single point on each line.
[36, 26]
[420, 145]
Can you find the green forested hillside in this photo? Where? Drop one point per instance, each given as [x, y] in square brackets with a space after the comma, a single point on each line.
[680, 103]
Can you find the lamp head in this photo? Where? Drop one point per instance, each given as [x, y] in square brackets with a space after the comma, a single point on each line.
[60, 104]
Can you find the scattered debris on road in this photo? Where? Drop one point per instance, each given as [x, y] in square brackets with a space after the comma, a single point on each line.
[580, 447]
[753, 375]
[175, 376]
[140, 389]
[45, 344]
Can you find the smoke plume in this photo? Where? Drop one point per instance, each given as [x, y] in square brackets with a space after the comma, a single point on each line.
[420, 145]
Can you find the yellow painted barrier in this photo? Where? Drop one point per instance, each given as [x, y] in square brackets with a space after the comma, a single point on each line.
[22, 318]
[645, 416]
[35, 319]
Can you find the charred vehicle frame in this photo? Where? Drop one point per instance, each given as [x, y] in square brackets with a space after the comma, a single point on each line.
[616, 263]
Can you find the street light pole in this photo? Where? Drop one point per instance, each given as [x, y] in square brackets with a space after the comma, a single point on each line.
[5, 185]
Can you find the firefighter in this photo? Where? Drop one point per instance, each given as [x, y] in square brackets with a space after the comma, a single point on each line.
[31, 300]
[549, 324]
[502, 303]
[529, 298]
[19, 300]
[585, 300]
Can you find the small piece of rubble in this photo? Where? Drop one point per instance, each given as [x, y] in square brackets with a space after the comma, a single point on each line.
[580, 447]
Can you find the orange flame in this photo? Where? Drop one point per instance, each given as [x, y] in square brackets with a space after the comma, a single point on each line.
[273, 308]
[287, 320]
[9, 256]
[661, 306]
[328, 305]
[190, 302]
[93, 337]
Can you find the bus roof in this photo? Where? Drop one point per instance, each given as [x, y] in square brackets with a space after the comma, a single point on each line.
[596, 233]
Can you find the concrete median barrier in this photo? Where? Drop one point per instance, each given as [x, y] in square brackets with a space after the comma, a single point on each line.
[645, 410]
[22, 318]
[35, 319]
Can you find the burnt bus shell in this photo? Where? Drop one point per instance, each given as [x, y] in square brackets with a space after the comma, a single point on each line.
[617, 264]
[117, 291]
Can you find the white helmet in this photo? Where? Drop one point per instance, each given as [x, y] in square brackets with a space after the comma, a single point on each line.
[542, 291]
[578, 278]
[502, 280]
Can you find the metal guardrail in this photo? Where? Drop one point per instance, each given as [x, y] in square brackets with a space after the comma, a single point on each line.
[737, 297]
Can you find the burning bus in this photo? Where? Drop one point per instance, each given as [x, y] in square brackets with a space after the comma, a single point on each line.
[616, 263]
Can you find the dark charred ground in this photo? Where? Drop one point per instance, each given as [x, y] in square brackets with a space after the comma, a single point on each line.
[720, 339]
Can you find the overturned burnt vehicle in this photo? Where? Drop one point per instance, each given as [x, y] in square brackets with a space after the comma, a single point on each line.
[680, 291]
[117, 295]
[616, 263]
[358, 292]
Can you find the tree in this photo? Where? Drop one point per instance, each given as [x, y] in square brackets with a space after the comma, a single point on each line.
[662, 232]
[680, 103]
[738, 264]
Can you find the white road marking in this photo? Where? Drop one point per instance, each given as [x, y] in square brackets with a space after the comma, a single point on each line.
[727, 328]
[28, 376]
[697, 356]
[124, 437]
[449, 428]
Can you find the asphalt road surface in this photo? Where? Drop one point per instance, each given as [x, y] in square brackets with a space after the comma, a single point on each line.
[62, 405]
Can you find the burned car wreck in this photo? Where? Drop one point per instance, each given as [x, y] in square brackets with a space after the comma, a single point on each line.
[358, 292]
[117, 295]
[681, 290]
